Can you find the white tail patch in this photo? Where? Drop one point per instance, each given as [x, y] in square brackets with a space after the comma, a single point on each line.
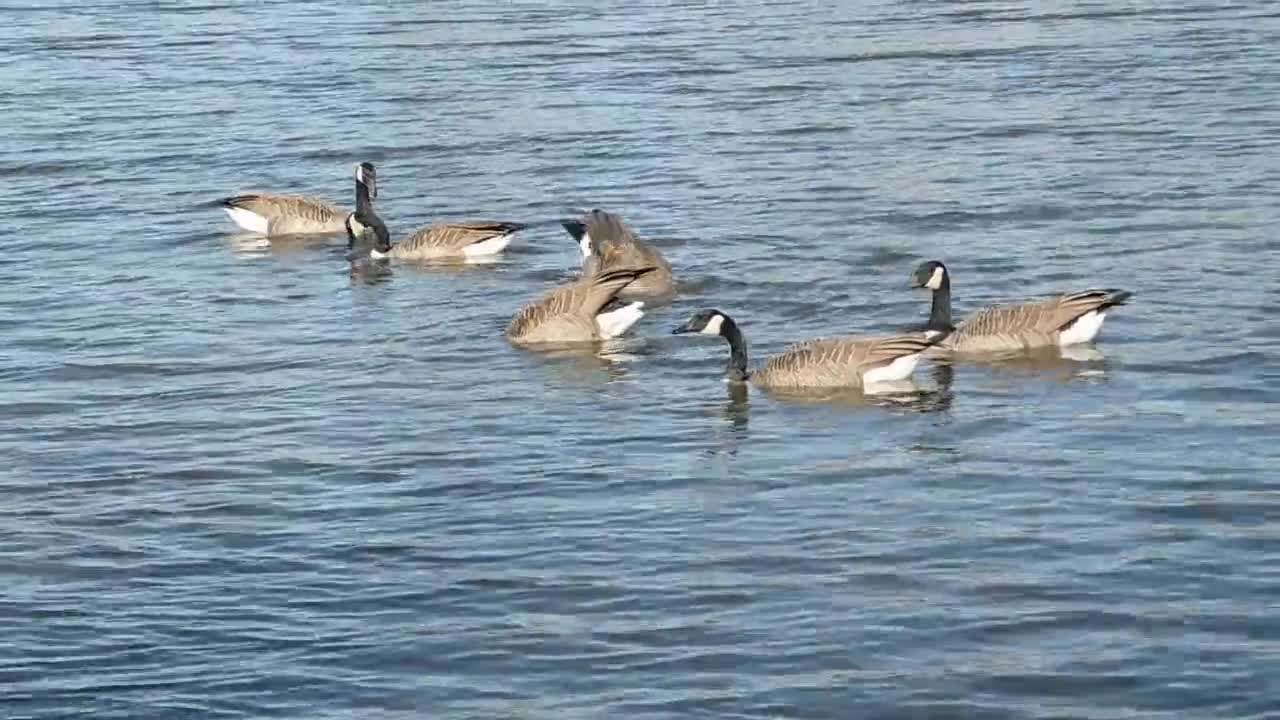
[251, 221]
[612, 324]
[1083, 330]
[900, 369]
[492, 246]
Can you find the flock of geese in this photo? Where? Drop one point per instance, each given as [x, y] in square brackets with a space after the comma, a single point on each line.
[620, 273]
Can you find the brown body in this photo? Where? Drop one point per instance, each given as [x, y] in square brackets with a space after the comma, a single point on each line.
[568, 314]
[456, 240]
[1038, 324]
[840, 362]
[284, 214]
[614, 244]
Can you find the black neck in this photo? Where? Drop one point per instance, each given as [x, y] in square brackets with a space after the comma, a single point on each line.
[362, 197]
[737, 368]
[940, 311]
[365, 214]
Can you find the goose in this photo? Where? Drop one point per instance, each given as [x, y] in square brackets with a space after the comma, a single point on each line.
[598, 231]
[294, 214]
[452, 241]
[365, 230]
[837, 362]
[578, 311]
[1062, 321]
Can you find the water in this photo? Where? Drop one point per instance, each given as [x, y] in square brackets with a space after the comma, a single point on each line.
[239, 483]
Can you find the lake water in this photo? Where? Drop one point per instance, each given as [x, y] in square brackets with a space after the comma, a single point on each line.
[239, 483]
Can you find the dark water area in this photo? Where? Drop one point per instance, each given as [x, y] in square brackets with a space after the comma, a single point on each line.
[239, 483]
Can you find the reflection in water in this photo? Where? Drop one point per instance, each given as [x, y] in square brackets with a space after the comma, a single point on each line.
[254, 245]
[906, 395]
[736, 411]
[452, 266]
[588, 363]
[367, 271]
[1065, 365]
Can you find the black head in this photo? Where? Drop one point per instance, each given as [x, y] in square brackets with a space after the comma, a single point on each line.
[705, 322]
[587, 245]
[367, 175]
[930, 274]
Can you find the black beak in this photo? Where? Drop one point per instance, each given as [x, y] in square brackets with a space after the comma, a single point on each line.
[916, 282]
[681, 330]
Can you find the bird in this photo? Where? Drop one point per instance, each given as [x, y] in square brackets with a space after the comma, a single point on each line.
[365, 230]
[583, 310]
[452, 241]
[294, 214]
[598, 231]
[1061, 321]
[832, 362]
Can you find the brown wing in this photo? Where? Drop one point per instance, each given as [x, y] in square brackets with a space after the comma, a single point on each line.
[1031, 323]
[297, 207]
[457, 235]
[836, 361]
[626, 251]
[607, 229]
[583, 298]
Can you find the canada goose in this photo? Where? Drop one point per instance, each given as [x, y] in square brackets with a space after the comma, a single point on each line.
[452, 241]
[1060, 321]
[294, 214]
[839, 362]
[599, 231]
[365, 230]
[575, 312]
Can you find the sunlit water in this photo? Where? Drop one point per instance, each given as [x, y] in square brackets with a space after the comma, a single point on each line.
[240, 483]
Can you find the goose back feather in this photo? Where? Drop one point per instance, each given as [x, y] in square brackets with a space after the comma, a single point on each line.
[569, 313]
[458, 240]
[599, 232]
[284, 214]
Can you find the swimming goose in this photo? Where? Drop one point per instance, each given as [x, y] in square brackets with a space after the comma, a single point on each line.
[452, 241]
[576, 311]
[1060, 321]
[839, 362]
[598, 231]
[294, 214]
[365, 230]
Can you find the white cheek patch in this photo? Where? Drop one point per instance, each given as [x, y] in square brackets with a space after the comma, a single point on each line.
[357, 227]
[585, 245]
[360, 173]
[713, 325]
[935, 280]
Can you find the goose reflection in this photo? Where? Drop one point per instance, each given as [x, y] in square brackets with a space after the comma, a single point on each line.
[594, 364]
[250, 245]
[1064, 365]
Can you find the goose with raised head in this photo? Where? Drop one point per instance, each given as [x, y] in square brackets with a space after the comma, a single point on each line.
[580, 311]
[294, 214]
[365, 230]
[836, 362]
[1061, 321]
[598, 231]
